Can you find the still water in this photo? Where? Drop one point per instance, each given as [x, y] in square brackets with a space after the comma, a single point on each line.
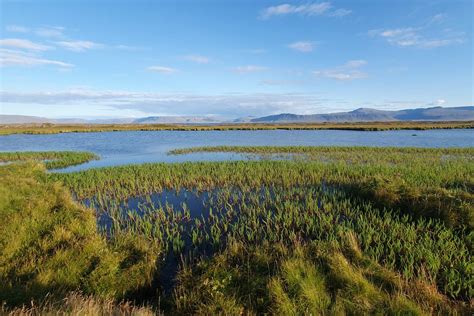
[120, 148]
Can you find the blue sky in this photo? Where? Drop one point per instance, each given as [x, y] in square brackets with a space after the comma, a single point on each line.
[232, 58]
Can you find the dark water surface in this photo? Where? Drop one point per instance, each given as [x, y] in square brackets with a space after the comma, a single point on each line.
[133, 147]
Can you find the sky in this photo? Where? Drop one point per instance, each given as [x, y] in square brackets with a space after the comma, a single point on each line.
[228, 59]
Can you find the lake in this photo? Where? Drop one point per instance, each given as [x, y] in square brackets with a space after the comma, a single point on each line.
[133, 147]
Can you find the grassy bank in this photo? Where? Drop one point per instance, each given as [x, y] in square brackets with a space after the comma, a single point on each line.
[370, 126]
[51, 159]
[337, 230]
[50, 245]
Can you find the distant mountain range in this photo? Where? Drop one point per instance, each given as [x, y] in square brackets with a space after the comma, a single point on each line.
[464, 113]
[177, 120]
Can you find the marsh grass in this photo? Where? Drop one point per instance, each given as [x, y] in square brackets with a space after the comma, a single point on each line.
[366, 231]
[358, 126]
[51, 159]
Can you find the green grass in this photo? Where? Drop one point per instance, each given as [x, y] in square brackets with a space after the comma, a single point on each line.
[358, 126]
[431, 183]
[50, 245]
[52, 159]
[335, 231]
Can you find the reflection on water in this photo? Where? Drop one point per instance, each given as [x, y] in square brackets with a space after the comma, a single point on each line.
[119, 148]
[180, 208]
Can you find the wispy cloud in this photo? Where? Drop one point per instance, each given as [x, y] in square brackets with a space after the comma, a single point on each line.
[17, 29]
[348, 71]
[273, 82]
[127, 47]
[23, 44]
[437, 18]
[230, 105]
[355, 63]
[197, 59]
[340, 12]
[418, 36]
[57, 34]
[310, 9]
[302, 46]
[79, 46]
[50, 31]
[248, 69]
[19, 58]
[438, 102]
[43, 31]
[162, 69]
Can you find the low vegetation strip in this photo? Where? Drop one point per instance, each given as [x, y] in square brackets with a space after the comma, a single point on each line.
[357, 154]
[51, 159]
[344, 230]
[362, 126]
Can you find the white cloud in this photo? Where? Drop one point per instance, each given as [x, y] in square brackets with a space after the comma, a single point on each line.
[349, 71]
[248, 69]
[162, 69]
[230, 105]
[18, 58]
[50, 31]
[341, 75]
[127, 47]
[310, 9]
[413, 37]
[23, 44]
[302, 46]
[438, 18]
[355, 63]
[79, 46]
[45, 31]
[272, 82]
[197, 59]
[305, 9]
[61, 40]
[340, 12]
[438, 102]
[17, 29]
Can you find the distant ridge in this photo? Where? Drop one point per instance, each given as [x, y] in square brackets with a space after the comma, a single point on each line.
[23, 119]
[462, 113]
[176, 120]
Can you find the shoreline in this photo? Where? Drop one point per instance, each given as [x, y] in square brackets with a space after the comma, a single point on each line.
[10, 129]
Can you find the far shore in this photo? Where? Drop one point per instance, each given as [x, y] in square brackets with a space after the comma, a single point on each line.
[47, 128]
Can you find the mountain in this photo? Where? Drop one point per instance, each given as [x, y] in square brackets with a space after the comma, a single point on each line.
[465, 113]
[177, 120]
[23, 119]
[244, 119]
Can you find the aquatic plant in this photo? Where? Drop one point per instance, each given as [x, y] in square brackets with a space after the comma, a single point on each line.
[342, 230]
[51, 159]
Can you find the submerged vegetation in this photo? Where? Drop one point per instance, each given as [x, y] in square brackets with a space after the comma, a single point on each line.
[335, 230]
[48, 128]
